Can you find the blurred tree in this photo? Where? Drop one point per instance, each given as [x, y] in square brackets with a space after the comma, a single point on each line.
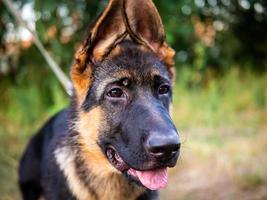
[207, 34]
[231, 32]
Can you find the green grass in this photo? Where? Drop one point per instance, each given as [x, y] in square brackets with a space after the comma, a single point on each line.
[235, 99]
[221, 118]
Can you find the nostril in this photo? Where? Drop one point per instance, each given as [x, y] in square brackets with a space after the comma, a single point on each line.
[157, 150]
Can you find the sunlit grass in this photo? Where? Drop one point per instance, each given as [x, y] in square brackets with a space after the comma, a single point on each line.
[235, 99]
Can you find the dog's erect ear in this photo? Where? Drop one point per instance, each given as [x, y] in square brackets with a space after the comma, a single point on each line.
[107, 31]
[144, 23]
[145, 26]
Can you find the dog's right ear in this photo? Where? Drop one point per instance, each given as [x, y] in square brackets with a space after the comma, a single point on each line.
[107, 31]
[144, 24]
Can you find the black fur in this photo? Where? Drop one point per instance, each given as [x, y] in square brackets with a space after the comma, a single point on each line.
[34, 175]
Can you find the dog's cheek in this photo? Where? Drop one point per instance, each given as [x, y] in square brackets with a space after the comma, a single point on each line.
[89, 129]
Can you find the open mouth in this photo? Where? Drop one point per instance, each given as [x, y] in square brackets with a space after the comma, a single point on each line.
[153, 179]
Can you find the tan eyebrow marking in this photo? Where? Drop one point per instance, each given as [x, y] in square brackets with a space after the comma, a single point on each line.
[113, 77]
[154, 72]
[125, 73]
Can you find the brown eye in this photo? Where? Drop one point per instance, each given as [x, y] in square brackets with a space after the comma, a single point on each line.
[164, 89]
[115, 93]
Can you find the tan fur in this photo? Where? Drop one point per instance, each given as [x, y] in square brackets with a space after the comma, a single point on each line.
[81, 74]
[65, 160]
[154, 72]
[166, 54]
[88, 126]
[81, 83]
[115, 51]
[123, 74]
[115, 186]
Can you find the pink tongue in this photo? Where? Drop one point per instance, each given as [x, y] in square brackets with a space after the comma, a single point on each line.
[153, 179]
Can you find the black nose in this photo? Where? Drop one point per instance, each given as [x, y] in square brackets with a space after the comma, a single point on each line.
[163, 146]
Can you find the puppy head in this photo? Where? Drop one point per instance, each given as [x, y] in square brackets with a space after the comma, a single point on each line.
[122, 76]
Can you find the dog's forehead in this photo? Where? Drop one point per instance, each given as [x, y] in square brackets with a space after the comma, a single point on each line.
[132, 63]
[136, 72]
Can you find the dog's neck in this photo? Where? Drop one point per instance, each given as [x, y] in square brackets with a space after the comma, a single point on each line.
[89, 178]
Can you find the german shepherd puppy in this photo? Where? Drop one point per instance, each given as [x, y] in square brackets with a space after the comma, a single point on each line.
[117, 139]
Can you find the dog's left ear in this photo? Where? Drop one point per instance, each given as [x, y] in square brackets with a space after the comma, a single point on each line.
[105, 33]
[144, 24]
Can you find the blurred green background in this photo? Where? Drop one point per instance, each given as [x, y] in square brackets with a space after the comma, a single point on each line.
[219, 98]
